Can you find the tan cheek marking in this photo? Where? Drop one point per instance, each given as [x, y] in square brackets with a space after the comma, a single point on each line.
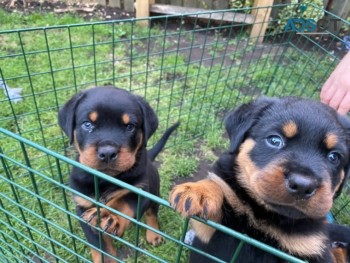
[271, 184]
[93, 116]
[88, 157]
[246, 165]
[319, 204]
[76, 141]
[140, 138]
[302, 245]
[290, 129]
[126, 118]
[126, 159]
[331, 140]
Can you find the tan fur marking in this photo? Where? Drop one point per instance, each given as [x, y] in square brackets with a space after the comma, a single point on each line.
[112, 223]
[124, 208]
[204, 193]
[290, 129]
[296, 244]
[93, 116]
[76, 141]
[203, 231]
[116, 195]
[331, 140]
[152, 220]
[80, 201]
[126, 118]
[96, 256]
[246, 165]
[342, 176]
[339, 255]
[126, 159]
[88, 157]
[110, 249]
[116, 202]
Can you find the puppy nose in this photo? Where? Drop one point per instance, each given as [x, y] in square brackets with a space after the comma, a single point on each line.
[107, 153]
[301, 186]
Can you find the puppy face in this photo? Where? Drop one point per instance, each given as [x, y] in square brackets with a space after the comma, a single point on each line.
[108, 127]
[292, 154]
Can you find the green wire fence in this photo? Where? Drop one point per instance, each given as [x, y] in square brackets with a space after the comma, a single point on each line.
[188, 68]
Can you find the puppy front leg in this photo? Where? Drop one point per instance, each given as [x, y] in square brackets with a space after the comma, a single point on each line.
[92, 237]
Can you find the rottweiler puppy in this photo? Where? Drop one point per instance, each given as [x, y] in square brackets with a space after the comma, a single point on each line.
[110, 128]
[288, 159]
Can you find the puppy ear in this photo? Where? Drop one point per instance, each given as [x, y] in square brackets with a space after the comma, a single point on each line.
[150, 120]
[238, 122]
[66, 116]
[345, 122]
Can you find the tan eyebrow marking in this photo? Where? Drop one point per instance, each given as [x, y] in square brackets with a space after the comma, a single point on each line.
[126, 118]
[331, 140]
[290, 129]
[93, 116]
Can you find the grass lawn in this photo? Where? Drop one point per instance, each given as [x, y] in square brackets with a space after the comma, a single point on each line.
[194, 73]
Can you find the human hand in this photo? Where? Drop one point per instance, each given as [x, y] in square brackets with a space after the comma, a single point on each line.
[336, 90]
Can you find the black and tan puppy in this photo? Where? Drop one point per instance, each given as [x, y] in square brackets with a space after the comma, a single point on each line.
[288, 160]
[110, 128]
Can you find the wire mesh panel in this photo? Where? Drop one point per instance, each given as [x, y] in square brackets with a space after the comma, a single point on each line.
[39, 227]
[189, 69]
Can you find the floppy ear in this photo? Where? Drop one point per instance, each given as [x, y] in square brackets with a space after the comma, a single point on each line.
[150, 120]
[345, 122]
[66, 116]
[238, 122]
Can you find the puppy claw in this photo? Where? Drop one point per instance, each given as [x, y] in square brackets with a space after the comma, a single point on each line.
[89, 219]
[205, 212]
[108, 224]
[115, 231]
[187, 205]
[176, 201]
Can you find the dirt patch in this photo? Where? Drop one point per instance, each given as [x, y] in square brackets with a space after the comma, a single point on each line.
[88, 11]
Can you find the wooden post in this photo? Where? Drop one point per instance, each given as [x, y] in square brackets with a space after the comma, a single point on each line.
[114, 3]
[142, 10]
[262, 18]
[339, 8]
[129, 5]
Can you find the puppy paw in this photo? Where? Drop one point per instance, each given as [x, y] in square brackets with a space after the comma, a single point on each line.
[203, 199]
[153, 238]
[108, 221]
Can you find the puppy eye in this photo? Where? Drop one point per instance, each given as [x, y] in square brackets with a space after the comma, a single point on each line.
[87, 125]
[275, 141]
[334, 158]
[130, 127]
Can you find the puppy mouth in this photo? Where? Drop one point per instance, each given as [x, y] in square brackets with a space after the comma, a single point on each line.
[289, 211]
[102, 167]
[295, 208]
